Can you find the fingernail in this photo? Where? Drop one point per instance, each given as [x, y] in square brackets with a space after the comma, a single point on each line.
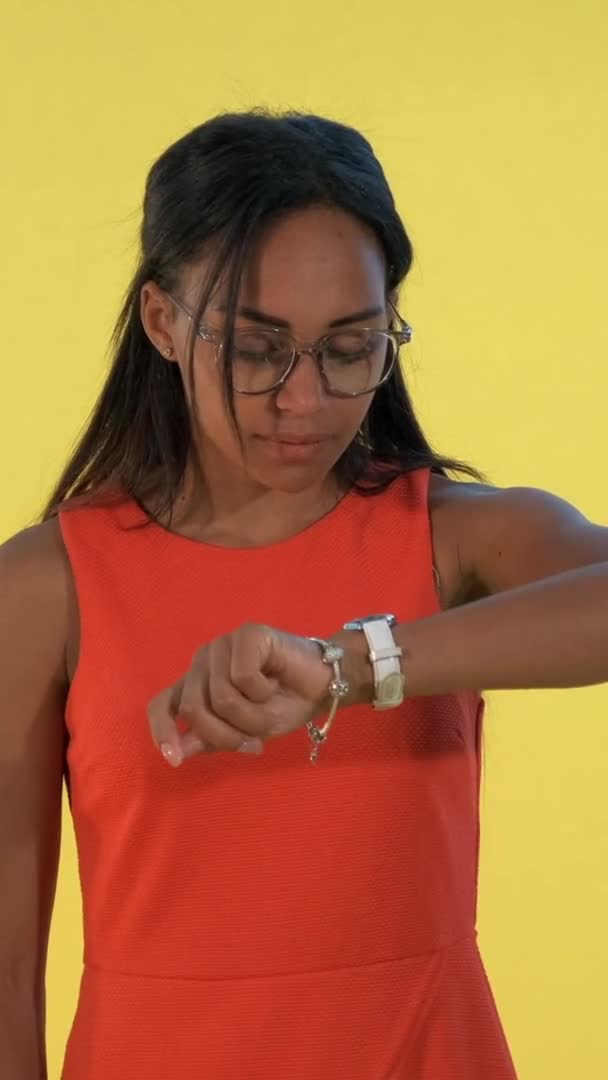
[172, 754]
[251, 746]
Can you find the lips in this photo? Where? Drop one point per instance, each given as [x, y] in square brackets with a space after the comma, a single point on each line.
[294, 448]
[296, 440]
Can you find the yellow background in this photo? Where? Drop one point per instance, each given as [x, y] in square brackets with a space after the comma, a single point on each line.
[491, 122]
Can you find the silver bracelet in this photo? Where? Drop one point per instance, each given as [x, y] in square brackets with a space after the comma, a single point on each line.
[338, 688]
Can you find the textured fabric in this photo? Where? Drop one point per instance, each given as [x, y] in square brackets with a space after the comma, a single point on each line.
[264, 918]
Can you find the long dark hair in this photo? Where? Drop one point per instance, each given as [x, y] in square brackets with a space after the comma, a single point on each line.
[213, 191]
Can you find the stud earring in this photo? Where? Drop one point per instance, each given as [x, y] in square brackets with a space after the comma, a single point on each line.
[168, 352]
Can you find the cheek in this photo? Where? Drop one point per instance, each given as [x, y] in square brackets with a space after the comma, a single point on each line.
[210, 415]
[353, 416]
[215, 423]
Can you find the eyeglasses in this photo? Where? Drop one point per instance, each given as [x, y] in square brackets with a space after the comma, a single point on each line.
[351, 362]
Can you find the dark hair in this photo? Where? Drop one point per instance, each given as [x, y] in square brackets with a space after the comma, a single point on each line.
[213, 191]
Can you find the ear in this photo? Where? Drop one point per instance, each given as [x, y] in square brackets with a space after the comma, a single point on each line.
[158, 318]
[392, 301]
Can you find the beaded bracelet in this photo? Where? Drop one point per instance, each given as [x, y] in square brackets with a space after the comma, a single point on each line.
[338, 688]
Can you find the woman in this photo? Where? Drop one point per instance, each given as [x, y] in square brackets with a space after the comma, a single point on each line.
[254, 477]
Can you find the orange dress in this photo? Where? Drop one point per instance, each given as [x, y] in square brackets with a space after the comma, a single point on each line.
[262, 918]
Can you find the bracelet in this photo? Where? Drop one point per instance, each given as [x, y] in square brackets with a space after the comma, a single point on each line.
[338, 688]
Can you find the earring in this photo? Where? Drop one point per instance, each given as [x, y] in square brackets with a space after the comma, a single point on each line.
[168, 352]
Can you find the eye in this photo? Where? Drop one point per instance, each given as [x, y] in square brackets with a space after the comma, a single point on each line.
[258, 346]
[352, 345]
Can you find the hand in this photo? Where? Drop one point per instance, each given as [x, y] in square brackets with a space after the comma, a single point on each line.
[253, 684]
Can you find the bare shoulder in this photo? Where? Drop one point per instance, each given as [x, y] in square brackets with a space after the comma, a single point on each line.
[448, 495]
[36, 588]
[489, 501]
[35, 557]
[505, 537]
[41, 541]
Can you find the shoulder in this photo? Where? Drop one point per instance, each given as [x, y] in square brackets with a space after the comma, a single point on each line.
[504, 537]
[36, 590]
[37, 552]
[459, 496]
[456, 504]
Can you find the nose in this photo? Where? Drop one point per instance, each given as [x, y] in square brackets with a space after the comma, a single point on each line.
[302, 392]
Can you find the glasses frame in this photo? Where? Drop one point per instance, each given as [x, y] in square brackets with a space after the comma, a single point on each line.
[399, 337]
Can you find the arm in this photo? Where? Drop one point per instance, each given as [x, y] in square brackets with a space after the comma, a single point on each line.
[33, 621]
[542, 570]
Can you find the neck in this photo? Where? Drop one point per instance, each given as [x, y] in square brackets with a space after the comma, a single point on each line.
[237, 512]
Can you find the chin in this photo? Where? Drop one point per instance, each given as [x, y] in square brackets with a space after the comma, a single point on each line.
[293, 471]
[292, 481]
[291, 478]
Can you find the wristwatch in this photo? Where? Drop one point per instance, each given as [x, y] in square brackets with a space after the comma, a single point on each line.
[384, 654]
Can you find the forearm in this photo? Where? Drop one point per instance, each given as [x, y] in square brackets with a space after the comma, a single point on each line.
[552, 633]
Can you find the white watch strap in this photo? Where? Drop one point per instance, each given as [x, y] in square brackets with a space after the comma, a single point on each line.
[384, 652]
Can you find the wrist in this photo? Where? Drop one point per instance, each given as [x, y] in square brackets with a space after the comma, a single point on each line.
[357, 669]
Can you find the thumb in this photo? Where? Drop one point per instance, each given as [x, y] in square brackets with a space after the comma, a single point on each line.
[171, 736]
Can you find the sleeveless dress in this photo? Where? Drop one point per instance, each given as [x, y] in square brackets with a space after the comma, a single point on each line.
[262, 918]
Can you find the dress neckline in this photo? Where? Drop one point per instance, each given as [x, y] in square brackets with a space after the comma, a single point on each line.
[133, 515]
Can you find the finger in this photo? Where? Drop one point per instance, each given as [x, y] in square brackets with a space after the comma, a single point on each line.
[175, 744]
[191, 745]
[251, 647]
[195, 707]
[225, 702]
[162, 713]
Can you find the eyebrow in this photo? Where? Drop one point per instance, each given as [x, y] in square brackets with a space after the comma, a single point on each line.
[273, 320]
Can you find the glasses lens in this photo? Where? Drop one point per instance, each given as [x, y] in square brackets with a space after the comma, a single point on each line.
[260, 358]
[356, 361]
